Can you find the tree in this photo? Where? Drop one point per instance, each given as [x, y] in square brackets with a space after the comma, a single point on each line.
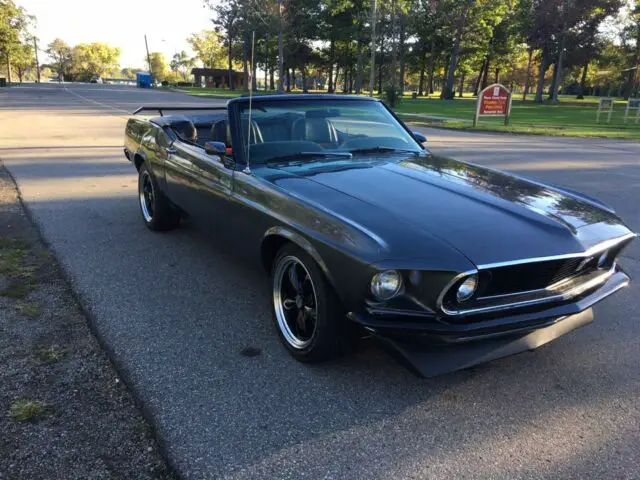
[226, 25]
[129, 73]
[62, 57]
[158, 66]
[23, 59]
[181, 62]
[13, 31]
[208, 47]
[94, 60]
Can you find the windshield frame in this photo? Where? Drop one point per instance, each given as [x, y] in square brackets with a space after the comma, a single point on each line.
[237, 105]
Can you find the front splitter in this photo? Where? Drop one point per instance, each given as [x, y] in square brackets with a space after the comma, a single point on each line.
[430, 361]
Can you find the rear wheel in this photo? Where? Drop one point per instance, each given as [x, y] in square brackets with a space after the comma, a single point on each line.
[157, 212]
[307, 313]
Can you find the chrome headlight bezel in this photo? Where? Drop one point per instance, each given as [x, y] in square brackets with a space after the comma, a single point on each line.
[386, 285]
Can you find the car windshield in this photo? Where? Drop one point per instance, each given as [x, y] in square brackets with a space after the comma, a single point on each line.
[297, 129]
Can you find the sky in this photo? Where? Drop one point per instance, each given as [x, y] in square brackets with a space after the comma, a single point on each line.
[120, 23]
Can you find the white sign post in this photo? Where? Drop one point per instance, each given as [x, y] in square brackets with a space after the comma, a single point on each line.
[606, 106]
[632, 104]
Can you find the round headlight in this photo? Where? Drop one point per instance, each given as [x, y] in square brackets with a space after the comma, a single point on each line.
[467, 288]
[602, 260]
[386, 285]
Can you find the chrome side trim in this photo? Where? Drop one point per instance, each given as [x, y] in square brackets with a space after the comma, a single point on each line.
[595, 249]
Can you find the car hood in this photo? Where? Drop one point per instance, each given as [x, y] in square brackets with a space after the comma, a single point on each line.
[486, 215]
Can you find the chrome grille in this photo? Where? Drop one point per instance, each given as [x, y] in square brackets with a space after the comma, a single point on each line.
[532, 276]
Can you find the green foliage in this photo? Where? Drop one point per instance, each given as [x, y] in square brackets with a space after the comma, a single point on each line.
[62, 56]
[158, 67]
[182, 63]
[208, 47]
[94, 60]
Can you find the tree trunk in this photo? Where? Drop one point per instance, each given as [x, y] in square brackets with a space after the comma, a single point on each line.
[332, 51]
[497, 76]
[476, 88]
[447, 63]
[447, 91]
[360, 64]
[232, 84]
[528, 76]
[293, 78]
[335, 79]
[303, 71]
[583, 80]
[245, 61]
[345, 80]
[485, 74]
[553, 80]
[394, 46]
[541, 72]
[401, 52]
[272, 80]
[430, 88]
[288, 79]
[432, 52]
[557, 78]
[423, 67]
[461, 85]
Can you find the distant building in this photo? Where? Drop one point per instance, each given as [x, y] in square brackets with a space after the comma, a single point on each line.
[216, 77]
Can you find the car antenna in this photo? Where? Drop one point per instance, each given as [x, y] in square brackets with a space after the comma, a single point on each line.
[247, 169]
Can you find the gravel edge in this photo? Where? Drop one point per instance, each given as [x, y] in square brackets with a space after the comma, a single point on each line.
[65, 405]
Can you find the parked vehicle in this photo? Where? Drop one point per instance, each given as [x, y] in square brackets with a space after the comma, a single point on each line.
[360, 227]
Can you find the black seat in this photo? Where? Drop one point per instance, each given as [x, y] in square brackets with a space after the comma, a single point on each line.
[185, 129]
[318, 130]
[220, 132]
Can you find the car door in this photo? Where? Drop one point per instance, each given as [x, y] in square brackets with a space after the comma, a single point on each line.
[200, 183]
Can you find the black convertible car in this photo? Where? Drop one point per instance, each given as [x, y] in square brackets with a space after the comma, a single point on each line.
[362, 229]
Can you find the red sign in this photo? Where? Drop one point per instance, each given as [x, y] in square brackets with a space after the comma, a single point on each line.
[494, 101]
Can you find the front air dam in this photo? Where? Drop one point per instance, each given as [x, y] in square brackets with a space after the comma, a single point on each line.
[430, 361]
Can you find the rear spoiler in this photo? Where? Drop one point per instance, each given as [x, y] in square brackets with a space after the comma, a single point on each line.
[174, 108]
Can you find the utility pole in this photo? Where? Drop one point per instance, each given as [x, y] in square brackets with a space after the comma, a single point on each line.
[35, 49]
[280, 50]
[148, 56]
[372, 73]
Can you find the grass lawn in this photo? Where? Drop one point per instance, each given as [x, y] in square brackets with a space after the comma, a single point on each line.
[571, 117]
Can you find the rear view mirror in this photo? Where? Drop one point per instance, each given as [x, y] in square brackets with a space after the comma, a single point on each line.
[215, 148]
[419, 137]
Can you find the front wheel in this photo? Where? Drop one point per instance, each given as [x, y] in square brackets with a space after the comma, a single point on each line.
[308, 315]
[157, 212]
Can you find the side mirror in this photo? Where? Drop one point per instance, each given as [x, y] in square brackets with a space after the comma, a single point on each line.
[419, 137]
[215, 148]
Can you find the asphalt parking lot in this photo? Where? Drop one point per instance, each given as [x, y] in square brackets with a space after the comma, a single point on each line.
[177, 309]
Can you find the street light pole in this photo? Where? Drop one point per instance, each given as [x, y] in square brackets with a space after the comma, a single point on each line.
[35, 49]
[146, 45]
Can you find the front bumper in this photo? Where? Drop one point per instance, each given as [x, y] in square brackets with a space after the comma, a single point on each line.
[436, 346]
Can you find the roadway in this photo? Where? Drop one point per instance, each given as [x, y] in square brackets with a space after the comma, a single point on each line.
[176, 310]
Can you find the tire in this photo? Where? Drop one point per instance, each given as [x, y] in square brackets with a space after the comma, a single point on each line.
[310, 320]
[157, 212]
